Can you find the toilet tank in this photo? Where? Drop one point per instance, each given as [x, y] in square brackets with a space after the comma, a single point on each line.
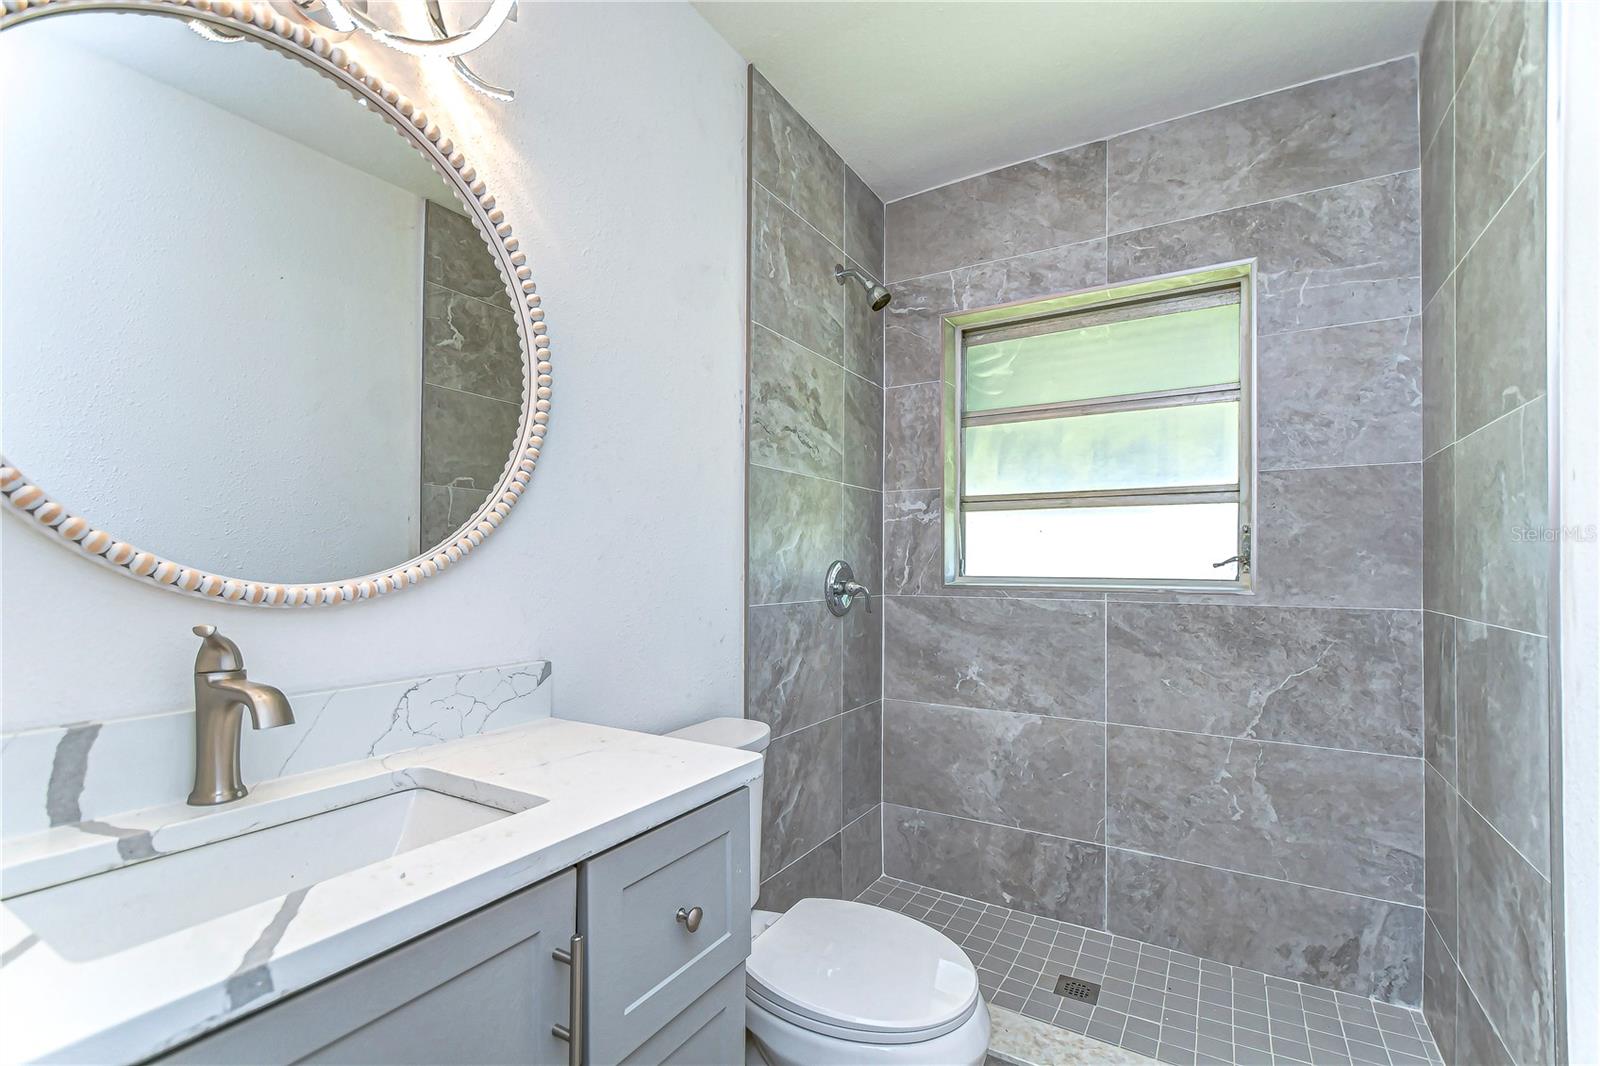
[747, 734]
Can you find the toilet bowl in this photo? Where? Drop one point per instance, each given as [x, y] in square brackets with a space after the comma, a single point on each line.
[836, 983]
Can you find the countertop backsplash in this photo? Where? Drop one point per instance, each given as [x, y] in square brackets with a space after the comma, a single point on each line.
[83, 772]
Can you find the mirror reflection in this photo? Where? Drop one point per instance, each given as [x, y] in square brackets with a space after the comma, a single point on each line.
[248, 326]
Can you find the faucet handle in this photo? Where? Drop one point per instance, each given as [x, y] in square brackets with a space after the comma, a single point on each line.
[216, 652]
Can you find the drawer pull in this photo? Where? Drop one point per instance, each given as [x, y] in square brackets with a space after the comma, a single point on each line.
[691, 918]
[572, 1032]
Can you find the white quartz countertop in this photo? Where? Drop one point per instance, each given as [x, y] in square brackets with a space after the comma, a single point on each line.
[599, 787]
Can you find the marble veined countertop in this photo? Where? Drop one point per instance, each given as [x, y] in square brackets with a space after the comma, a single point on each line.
[600, 787]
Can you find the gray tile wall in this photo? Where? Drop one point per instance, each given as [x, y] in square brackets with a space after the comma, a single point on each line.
[1487, 988]
[814, 495]
[1238, 779]
[471, 373]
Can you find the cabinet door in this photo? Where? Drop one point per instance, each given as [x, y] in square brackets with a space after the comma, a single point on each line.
[709, 1033]
[646, 967]
[483, 989]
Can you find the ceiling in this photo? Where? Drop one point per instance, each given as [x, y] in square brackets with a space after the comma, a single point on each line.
[915, 95]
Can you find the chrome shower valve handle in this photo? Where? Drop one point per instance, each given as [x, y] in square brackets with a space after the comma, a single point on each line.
[840, 588]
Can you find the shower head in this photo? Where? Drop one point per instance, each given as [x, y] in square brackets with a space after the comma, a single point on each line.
[879, 295]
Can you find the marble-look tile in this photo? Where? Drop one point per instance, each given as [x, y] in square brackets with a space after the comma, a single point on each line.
[793, 660]
[1348, 943]
[1439, 369]
[861, 432]
[1022, 770]
[1052, 272]
[1328, 132]
[1472, 21]
[1341, 537]
[1041, 203]
[444, 509]
[456, 256]
[1436, 78]
[1439, 693]
[1043, 875]
[1502, 707]
[792, 288]
[1332, 819]
[1476, 1042]
[1500, 512]
[1438, 208]
[861, 537]
[863, 760]
[913, 456]
[1440, 984]
[863, 653]
[863, 224]
[792, 162]
[1036, 656]
[1440, 821]
[466, 436]
[470, 346]
[862, 842]
[1505, 939]
[793, 535]
[797, 410]
[1342, 396]
[1500, 314]
[913, 349]
[1441, 587]
[803, 794]
[1338, 679]
[1349, 254]
[1500, 116]
[914, 346]
[913, 543]
[815, 875]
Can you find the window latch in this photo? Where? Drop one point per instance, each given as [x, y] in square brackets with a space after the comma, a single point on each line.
[1243, 558]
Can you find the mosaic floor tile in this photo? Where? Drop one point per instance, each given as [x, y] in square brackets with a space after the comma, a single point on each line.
[1162, 1004]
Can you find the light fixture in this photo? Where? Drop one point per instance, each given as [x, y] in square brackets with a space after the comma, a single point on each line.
[350, 16]
[347, 17]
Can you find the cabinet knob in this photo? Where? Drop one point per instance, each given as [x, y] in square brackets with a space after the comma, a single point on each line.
[691, 918]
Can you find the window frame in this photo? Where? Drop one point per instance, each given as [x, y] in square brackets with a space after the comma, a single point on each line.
[955, 326]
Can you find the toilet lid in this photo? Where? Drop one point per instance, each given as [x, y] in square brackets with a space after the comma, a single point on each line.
[863, 969]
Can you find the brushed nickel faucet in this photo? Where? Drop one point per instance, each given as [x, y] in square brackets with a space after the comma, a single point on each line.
[221, 696]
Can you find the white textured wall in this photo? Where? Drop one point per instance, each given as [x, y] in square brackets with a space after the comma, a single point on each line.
[622, 166]
[304, 447]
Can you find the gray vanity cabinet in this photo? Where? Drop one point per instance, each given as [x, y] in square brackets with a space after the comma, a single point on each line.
[484, 989]
[665, 919]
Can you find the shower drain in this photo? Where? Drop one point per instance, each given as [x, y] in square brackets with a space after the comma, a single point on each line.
[1072, 988]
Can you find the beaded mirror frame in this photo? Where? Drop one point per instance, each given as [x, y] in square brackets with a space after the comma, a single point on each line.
[260, 22]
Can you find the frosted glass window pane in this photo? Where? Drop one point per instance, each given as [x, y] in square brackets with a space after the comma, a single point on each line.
[1173, 542]
[1184, 349]
[1193, 445]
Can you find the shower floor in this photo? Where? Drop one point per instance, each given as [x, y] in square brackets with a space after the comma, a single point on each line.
[1164, 1004]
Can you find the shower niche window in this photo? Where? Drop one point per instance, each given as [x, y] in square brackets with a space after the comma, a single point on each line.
[1104, 439]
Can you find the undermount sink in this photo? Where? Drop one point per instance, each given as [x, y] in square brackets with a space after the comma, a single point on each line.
[110, 912]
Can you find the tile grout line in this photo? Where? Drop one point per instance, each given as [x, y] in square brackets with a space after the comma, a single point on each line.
[1421, 757]
[1105, 763]
[1108, 235]
[1165, 858]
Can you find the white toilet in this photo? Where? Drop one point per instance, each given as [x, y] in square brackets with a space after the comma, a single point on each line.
[837, 983]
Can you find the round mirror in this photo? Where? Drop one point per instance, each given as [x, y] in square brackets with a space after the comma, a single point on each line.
[263, 336]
